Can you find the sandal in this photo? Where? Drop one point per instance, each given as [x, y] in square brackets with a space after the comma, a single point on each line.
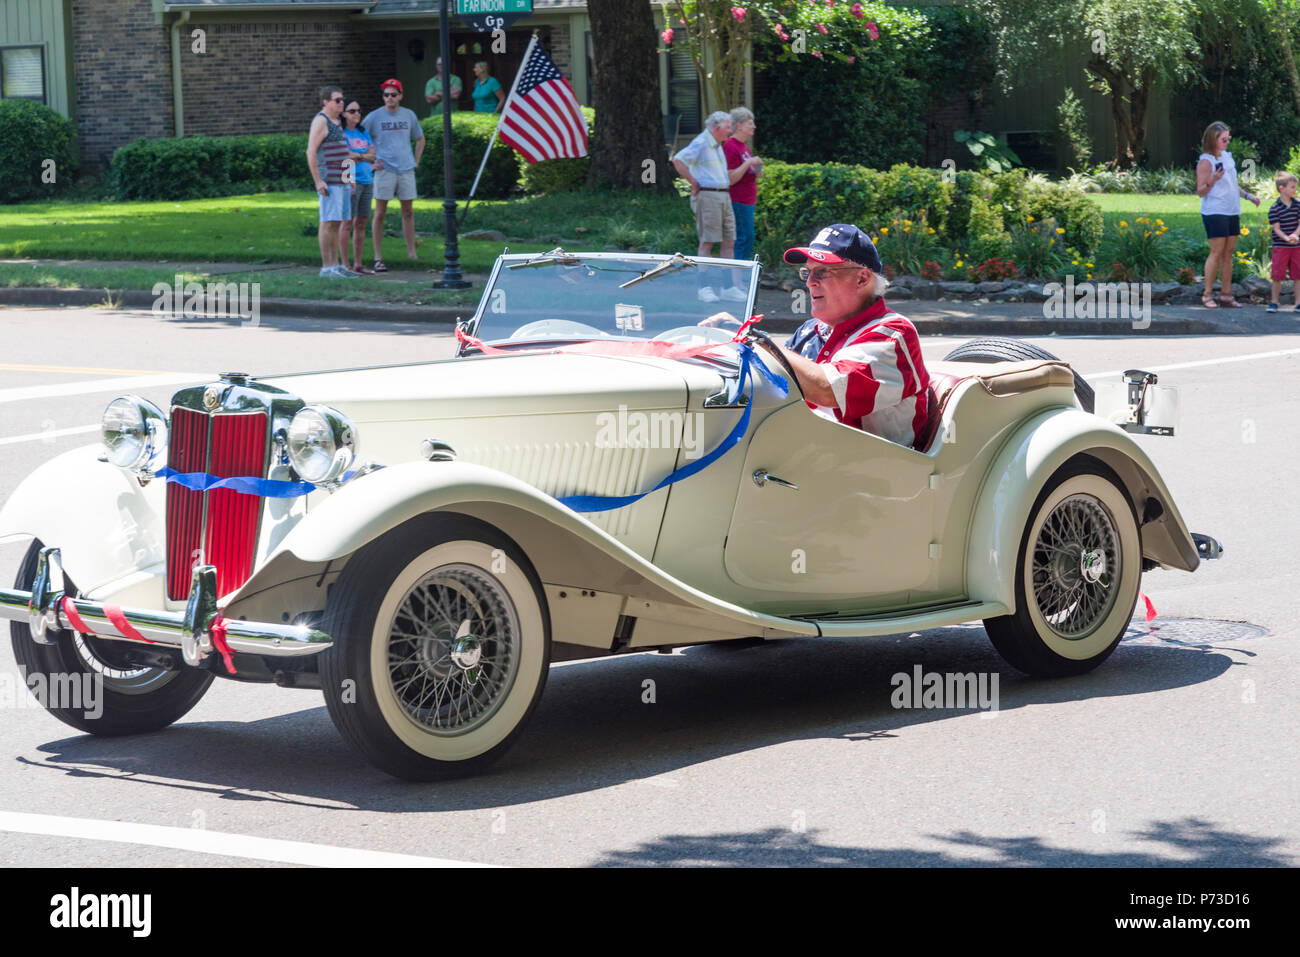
[364, 270]
[1208, 302]
[1229, 303]
[379, 266]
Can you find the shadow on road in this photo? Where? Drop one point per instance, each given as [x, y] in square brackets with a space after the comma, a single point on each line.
[1196, 843]
[593, 728]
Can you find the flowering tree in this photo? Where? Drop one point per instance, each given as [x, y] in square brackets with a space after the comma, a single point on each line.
[719, 35]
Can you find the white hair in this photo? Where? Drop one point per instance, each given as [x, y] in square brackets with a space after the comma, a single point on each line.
[716, 119]
[740, 114]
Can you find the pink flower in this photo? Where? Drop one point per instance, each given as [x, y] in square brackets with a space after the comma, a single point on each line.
[873, 30]
[817, 54]
[853, 59]
[822, 28]
[857, 10]
[738, 13]
[667, 36]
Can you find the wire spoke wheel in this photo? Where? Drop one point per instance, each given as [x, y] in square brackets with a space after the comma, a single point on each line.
[1077, 574]
[453, 649]
[1074, 557]
[441, 647]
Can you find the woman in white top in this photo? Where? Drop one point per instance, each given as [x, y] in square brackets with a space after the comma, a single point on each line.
[1216, 184]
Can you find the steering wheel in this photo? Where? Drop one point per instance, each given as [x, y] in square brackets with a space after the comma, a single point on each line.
[558, 329]
[690, 335]
[763, 339]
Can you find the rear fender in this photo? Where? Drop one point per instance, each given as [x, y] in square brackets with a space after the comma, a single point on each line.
[105, 524]
[1030, 457]
[591, 578]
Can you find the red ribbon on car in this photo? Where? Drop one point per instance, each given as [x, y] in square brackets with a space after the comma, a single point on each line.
[218, 629]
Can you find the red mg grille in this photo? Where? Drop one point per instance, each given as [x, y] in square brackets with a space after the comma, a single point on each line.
[237, 447]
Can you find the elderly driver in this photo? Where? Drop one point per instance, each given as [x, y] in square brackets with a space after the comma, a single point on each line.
[857, 361]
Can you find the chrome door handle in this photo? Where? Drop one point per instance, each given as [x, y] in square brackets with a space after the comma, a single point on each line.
[763, 476]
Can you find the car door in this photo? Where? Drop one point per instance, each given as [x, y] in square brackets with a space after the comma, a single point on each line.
[854, 534]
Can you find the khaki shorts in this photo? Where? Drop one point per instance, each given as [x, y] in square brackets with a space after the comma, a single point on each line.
[393, 185]
[714, 219]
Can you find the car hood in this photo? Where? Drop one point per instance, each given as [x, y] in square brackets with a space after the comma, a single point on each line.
[500, 385]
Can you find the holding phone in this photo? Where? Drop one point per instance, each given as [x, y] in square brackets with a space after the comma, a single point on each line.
[1219, 167]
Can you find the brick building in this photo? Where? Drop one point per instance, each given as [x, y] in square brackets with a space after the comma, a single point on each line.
[123, 69]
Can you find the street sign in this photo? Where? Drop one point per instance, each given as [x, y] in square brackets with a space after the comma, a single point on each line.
[487, 15]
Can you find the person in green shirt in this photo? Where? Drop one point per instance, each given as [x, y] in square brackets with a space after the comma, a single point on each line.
[488, 95]
[433, 91]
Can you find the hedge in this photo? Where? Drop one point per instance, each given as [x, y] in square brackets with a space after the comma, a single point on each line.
[30, 135]
[559, 175]
[194, 167]
[970, 213]
[470, 133]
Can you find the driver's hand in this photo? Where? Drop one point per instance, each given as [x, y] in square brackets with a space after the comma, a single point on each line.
[719, 319]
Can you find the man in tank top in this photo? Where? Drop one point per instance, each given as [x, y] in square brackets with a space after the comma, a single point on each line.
[327, 148]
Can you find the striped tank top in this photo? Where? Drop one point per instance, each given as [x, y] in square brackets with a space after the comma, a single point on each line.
[331, 153]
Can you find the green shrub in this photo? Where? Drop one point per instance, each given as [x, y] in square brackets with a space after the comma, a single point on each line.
[907, 244]
[986, 236]
[1141, 251]
[1072, 130]
[470, 134]
[559, 175]
[30, 134]
[1038, 246]
[194, 167]
[1079, 216]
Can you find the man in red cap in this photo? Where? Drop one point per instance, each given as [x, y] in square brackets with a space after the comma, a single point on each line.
[857, 360]
[394, 128]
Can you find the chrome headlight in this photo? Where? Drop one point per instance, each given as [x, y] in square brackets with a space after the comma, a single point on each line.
[322, 444]
[135, 433]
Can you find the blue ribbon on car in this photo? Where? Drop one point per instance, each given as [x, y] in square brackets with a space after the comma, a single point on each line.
[243, 484]
[277, 488]
[605, 503]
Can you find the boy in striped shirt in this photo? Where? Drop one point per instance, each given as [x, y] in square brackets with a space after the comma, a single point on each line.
[1284, 219]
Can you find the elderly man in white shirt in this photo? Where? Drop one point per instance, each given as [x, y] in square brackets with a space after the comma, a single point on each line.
[703, 164]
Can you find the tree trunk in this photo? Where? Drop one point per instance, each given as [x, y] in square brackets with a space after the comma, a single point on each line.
[1288, 57]
[628, 129]
[1128, 110]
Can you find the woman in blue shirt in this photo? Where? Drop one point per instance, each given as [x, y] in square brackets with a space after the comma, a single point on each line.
[488, 95]
[362, 147]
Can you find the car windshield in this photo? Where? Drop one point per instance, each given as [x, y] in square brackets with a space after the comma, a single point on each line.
[564, 296]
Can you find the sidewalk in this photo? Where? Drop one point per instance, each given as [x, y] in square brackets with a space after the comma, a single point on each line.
[970, 318]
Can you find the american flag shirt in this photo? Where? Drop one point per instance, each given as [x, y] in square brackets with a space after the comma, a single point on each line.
[875, 370]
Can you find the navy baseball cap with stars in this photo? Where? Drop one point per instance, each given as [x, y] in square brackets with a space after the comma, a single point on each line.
[841, 243]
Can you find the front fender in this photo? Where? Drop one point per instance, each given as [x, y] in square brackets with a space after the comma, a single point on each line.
[105, 524]
[1033, 453]
[563, 546]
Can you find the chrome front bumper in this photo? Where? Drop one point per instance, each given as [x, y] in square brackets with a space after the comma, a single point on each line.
[197, 632]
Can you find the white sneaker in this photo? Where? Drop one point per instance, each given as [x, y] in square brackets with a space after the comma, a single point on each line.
[347, 273]
[329, 272]
[706, 294]
[735, 294]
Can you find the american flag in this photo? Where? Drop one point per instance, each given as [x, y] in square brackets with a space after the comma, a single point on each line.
[542, 119]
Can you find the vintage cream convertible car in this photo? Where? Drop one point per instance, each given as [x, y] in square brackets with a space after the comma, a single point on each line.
[603, 468]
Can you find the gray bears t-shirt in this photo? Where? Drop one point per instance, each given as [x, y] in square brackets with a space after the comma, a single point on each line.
[393, 134]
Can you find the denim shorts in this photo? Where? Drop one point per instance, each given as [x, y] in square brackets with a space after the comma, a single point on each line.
[337, 206]
[1221, 225]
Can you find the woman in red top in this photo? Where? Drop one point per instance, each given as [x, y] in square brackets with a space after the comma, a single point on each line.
[744, 169]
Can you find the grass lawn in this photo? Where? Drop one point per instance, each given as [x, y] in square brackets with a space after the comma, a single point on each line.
[1178, 211]
[268, 229]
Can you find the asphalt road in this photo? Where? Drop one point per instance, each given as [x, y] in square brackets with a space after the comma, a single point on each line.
[1181, 749]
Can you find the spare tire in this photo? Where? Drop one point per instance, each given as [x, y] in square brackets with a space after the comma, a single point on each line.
[1000, 349]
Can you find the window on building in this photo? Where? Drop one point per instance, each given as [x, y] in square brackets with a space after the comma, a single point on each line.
[22, 73]
[684, 89]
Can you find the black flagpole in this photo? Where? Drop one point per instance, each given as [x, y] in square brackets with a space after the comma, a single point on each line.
[451, 277]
